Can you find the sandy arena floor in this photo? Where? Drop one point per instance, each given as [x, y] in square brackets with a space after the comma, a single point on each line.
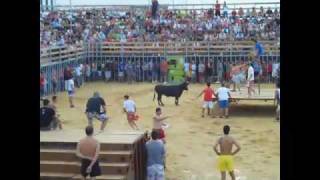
[190, 137]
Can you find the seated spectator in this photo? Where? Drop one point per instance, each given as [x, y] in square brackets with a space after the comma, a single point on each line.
[48, 119]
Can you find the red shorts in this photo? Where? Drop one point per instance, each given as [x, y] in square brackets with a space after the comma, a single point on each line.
[161, 133]
[131, 116]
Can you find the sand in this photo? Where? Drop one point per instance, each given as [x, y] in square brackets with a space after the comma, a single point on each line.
[190, 138]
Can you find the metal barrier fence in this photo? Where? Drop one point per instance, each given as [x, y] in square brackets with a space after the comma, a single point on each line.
[108, 68]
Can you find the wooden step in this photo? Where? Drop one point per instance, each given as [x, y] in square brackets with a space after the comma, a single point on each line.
[68, 176]
[74, 167]
[73, 145]
[69, 155]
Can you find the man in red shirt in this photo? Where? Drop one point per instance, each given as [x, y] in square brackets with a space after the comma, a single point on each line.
[164, 70]
[217, 8]
[42, 84]
[207, 99]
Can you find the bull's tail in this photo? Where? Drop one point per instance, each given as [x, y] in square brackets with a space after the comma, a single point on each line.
[154, 94]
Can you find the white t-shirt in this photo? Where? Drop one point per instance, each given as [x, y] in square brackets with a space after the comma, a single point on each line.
[186, 67]
[250, 73]
[223, 93]
[129, 105]
[70, 85]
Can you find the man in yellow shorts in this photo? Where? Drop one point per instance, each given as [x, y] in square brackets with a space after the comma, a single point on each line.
[225, 160]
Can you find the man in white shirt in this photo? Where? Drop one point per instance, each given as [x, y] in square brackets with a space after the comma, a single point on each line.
[71, 91]
[186, 69]
[250, 80]
[223, 95]
[129, 107]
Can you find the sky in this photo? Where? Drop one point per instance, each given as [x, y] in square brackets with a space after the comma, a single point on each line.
[135, 2]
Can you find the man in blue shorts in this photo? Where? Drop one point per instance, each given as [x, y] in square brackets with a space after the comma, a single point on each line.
[96, 108]
[71, 91]
[223, 95]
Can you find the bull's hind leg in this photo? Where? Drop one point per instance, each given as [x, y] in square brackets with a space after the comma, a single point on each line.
[177, 101]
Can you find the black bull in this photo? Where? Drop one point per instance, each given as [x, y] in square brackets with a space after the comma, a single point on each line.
[170, 91]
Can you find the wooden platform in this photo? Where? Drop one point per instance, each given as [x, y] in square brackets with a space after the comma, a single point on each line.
[121, 157]
[265, 95]
[114, 137]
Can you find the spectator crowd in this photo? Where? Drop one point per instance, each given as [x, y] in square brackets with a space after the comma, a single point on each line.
[72, 27]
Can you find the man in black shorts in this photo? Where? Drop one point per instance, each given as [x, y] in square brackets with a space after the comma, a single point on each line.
[48, 118]
[88, 150]
[96, 108]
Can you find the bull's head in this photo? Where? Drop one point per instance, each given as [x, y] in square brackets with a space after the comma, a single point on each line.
[185, 85]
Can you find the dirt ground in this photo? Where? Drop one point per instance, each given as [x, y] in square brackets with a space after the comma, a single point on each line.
[190, 138]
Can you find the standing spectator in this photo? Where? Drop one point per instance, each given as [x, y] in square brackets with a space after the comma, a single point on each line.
[129, 107]
[201, 71]
[88, 72]
[269, 12]
[94, 72]
[250, 79]
[71, 91]
[150, 68]
[225, 159]
[42, 85]
[240, 12]
[207, 99]
[155, 70]
[121, 68]
[217, 8]
[130, 72]
[164, 71]
[145, 68]
[88, 150]
[277, 101]
[209, 71]
[96, 108]
[223, 95]
[225, 10]
[187, 70]
[78, 75]
[269, 71]
[193, 71]
[54, 81]
[155, 158]
[99, 71]
[220, 71]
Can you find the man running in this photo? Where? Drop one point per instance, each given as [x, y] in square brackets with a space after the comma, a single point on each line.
[225, 160]
[88, 150]
[207, 99]
[96, 108]
[223, 95]
[158, 122]
[129, 107]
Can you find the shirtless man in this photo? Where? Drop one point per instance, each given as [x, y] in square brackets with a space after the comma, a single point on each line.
[158, 122]
[225, 160]
[88, 150]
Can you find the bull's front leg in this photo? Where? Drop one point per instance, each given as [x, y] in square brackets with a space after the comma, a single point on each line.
[159, 100]
[177, 101]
